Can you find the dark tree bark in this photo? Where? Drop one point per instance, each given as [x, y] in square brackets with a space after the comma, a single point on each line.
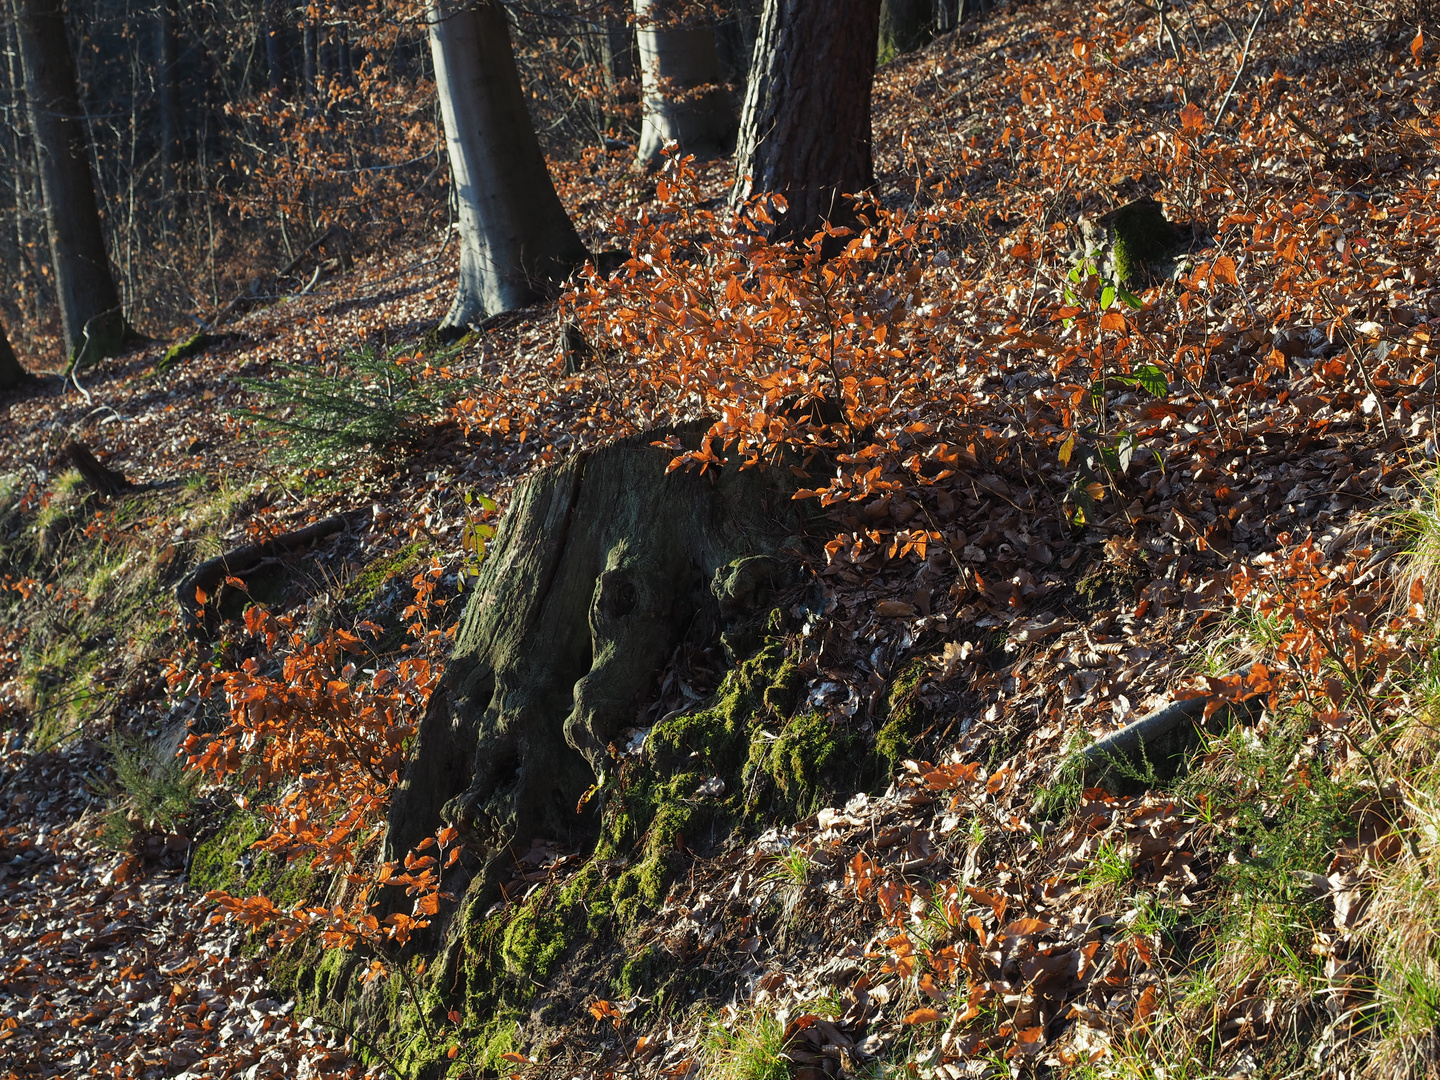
[272, 28]
[89, 304]
[516, 240]
[684, 98]
[602, 565]
[309, 65]
[11, 373]
[905, 25]
[168, 93]
[805, 129]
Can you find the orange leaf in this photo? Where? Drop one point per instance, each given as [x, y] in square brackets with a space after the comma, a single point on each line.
[452, 1052]
[1146, 1005]
[923, 1016]
[1224, 270]
[1417, 47]
[1030, 1041]
[1191, 118]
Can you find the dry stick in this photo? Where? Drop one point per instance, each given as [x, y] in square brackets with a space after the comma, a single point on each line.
[1244, 59]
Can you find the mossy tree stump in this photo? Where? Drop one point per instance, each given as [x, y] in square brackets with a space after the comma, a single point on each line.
[600, 567]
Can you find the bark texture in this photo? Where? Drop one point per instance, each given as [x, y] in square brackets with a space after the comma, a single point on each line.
[89, 304]
[11, 373]
[602, 565]
[516, 240]
[905, 25]
[805, 128]
[683, 97]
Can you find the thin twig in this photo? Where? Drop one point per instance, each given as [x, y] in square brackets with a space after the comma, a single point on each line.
[1244, 59]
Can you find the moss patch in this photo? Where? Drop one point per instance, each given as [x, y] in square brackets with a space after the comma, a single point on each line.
[225, 862]
[367, 585]
[905, 713]
[183, 350]
[516, 974]
[1142, 238]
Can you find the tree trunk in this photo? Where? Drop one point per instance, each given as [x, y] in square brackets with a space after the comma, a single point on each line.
[905, 25]
[602, 566]
[805, 129]
[610, 46]
[683, 97]
[169, 95]
[272, 28]
[89, 304]
[516, 240]
[308, 64]
[11, 373]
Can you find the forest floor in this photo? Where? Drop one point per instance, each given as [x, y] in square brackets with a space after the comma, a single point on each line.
[1060, 503]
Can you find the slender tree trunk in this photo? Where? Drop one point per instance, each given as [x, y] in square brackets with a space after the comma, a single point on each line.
[274, 48]
[684, 98]
[905, 25]
[308, 68]
[169, 95]
[11, 373]
[805, 129]
[610, 46]
[89, 304]
[515, 238]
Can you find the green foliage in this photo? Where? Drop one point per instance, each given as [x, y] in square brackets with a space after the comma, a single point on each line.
[745, 1048]
[1282, 816]
[367, 401]
[1109, 868]
[150, 794]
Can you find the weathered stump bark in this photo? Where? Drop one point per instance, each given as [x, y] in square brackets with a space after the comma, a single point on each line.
[601, 566]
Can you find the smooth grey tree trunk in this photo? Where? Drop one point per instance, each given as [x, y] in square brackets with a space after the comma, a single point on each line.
[805, 129]
[683, 96]
[89, 304]
[516, 241]
[11, 373]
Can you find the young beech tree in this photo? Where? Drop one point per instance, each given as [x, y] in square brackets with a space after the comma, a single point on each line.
[805, 128]
[515, 238]
[684, 98]
[89, 304]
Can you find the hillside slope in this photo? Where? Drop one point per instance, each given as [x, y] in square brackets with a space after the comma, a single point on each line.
[1064, 485]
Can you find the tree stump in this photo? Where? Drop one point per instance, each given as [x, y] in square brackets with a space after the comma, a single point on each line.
[602, 564]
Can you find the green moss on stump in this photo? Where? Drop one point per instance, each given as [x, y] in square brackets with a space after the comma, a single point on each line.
[776, 761]
[1142, 238]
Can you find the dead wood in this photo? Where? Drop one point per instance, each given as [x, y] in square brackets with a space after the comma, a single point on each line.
[98, 478]
[200, 585]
